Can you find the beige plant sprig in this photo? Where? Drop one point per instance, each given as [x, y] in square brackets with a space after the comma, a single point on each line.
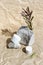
[27, 15]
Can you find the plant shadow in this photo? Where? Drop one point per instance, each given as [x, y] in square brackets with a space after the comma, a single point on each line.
[6, 32]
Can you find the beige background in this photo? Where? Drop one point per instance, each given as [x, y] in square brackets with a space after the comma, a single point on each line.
[11, 19]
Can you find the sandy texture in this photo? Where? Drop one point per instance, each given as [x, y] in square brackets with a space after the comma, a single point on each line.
[11, 19]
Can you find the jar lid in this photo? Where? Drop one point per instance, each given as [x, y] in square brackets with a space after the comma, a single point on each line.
[29, 49]
[16, 39]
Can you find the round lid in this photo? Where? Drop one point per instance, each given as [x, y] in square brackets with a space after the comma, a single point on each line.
[29, 49]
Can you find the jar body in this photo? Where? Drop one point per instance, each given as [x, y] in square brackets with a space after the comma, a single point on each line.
[25, 35]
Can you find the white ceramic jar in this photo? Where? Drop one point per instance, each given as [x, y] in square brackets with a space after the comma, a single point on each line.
[16, 40]
[29, 49]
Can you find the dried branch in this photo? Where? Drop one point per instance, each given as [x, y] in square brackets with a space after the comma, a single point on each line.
[27, 15]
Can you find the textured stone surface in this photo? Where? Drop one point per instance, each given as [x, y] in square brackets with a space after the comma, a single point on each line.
[25, 35]
[11, 19]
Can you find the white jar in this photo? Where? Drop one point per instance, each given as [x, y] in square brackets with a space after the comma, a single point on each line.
[16, 40]
[28, 49]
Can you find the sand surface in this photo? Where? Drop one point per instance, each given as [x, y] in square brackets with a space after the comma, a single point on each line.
[11, 20]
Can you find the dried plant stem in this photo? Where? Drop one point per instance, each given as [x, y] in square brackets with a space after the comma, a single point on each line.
[27, 15]
[30, 25]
